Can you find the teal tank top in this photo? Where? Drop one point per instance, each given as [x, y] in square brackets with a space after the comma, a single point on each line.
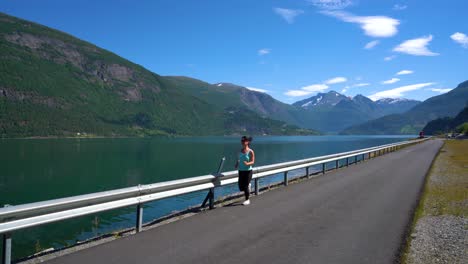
[244, 157]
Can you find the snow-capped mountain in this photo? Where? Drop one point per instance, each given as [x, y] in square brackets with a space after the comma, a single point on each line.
[394, 100]
[333, 111]
[329, 99]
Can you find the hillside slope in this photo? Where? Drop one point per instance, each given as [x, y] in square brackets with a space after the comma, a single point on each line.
[412, 121]
[446, 124]
[226, 95]
[52, 84]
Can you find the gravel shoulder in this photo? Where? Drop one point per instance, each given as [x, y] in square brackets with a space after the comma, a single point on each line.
[440, 228]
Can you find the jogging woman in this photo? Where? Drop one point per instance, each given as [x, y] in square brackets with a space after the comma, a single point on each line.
[244, 164]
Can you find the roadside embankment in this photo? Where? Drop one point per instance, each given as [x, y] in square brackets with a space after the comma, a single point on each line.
[440, 229]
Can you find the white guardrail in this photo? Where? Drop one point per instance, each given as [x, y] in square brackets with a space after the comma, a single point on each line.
[14, 218]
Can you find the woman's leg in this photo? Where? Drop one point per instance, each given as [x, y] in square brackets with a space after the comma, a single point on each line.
[247, 189]
[239, 181]
[242, 180]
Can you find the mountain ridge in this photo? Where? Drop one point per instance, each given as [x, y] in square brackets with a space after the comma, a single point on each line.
[413, 120]
[333, 112]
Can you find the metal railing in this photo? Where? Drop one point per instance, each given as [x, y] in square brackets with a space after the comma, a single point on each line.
[14, 218]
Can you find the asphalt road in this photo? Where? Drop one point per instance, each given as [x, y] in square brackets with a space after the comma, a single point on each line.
[354, 215]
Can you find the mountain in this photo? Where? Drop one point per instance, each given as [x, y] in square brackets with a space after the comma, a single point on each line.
[413, 120]
[226, 95]
[333, 112]
[447, 124]
[321, 100]
[53, 84]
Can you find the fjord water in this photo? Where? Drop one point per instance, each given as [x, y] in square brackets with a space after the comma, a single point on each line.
[40, 169]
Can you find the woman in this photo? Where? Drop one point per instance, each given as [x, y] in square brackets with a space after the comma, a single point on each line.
[244, 164]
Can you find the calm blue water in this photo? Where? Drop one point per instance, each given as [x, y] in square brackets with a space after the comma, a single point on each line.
[42, 169]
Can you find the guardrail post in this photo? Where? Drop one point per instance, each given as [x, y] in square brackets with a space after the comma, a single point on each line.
[347, 162]
[363, 157]
[210, 196]
[337, 164]
[323, 168]
[6, 258]
[307, 172]
[355, 160]
[256, 186]
[139, 218]
[211, 202]
[285, 178]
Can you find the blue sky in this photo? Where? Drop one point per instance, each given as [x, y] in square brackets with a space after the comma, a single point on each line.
[290, 48]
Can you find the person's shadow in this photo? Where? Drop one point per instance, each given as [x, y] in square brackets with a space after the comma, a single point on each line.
[233, 204]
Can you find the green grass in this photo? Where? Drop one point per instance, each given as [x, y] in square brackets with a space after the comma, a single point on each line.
[445, 189]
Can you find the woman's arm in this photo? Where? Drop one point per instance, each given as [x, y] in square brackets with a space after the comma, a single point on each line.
[252, 159]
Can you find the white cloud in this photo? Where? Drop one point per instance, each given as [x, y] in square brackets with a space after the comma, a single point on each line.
[288, 14]
[371, 44]
[265, 51]
[404, 72]
[315, 88]
[374, 26]
[257, 89]
[389, 58]
[392, 80]
[460, 38]
[331, 4]
[297, 93]
[344, 90]
[441, 90]
[306, 90]
[399, 7]
[398, 92]
[336, 80]
[416, 47]
[360, 84]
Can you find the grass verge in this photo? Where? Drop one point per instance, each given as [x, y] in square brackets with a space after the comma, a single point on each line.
[445, 191]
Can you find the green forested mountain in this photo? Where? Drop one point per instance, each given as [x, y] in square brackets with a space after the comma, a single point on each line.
[414, 120]
[226, 95]
[52, 84]
[447, 124]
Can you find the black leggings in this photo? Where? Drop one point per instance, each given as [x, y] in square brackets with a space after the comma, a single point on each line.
[244, 180]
